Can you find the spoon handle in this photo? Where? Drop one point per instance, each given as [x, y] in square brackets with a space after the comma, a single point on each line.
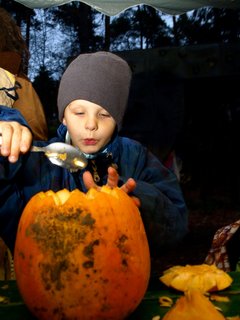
[38, 149]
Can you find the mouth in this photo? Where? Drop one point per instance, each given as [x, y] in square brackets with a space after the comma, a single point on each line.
[89, 142]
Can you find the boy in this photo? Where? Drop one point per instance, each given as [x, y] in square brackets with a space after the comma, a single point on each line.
[92, 98]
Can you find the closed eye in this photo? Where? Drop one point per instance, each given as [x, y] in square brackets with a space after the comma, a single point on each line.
[105, 115]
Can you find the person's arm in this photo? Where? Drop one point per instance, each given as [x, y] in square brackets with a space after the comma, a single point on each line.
[9, 114]
[164, 213]
[162, 204]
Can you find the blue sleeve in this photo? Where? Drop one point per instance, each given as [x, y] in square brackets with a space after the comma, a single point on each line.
[163, 208]
[11, 203]
[10, 114]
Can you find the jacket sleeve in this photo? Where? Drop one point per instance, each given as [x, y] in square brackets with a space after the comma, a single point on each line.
[163, 208]
[9, 114]
[11, 203]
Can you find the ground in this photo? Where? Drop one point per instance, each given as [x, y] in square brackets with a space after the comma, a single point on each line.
[207, 214]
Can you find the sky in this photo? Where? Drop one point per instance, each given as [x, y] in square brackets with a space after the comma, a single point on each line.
[54, 41]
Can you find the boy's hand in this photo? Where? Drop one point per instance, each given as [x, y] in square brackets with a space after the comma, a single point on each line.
[14, 139]
[112, 182]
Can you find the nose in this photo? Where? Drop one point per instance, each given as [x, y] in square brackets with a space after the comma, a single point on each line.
[91, 124]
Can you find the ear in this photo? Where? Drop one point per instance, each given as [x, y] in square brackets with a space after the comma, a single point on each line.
[64, 121]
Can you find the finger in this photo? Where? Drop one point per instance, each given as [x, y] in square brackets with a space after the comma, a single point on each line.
[136, 201]
[6, 139]
[88, 180]
[26, 140]
[15, 143]
[20, 142]
[113, 176]
[129, 186]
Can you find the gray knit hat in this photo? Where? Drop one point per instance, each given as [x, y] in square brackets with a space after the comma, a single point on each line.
[102, 78]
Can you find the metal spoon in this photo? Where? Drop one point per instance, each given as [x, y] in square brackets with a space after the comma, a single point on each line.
[63, 155]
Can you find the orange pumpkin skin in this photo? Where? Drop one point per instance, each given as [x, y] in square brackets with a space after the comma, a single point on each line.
[85, 256]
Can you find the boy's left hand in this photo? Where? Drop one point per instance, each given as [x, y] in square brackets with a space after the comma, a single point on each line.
[112, 182]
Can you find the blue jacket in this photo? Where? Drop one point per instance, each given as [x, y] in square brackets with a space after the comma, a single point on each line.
[162, 208]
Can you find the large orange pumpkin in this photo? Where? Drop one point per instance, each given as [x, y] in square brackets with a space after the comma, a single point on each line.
[82, 256]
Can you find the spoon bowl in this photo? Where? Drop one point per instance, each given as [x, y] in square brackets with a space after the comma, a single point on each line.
[63, 155]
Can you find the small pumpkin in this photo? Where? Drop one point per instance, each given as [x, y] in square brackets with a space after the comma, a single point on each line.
[205, 278]
[193, 306]
[82, 256]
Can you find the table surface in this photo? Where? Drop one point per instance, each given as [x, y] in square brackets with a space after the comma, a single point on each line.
[14, 309]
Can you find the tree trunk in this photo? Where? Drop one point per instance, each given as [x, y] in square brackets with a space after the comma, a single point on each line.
[107, 33]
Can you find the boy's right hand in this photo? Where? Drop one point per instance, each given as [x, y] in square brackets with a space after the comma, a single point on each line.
[14, 139]
[112, 182]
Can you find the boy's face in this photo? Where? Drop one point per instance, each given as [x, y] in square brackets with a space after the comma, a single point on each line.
[89, 125]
